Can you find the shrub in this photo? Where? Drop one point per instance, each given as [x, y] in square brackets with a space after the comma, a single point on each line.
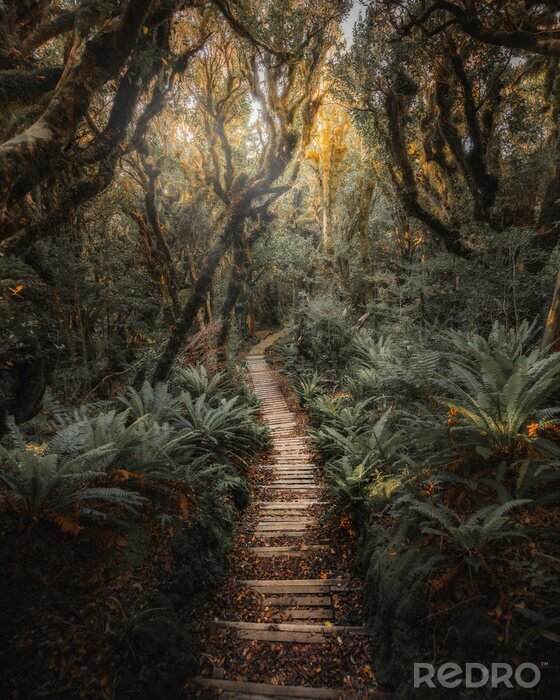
[453, 490]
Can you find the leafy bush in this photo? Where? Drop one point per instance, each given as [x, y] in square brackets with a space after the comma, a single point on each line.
[323, 334]
[453, 490]
[64, 490]
[225, 430]
[196, 382]
[494, 388]
[156, 475]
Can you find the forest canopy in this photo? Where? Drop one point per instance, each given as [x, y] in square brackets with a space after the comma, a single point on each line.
[180, 140]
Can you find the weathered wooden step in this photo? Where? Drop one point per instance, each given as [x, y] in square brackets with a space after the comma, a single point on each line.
[242, 689]
[305, 585]
[288, 505]
[287, 520]
[286, 516]
[305, 466]
[298, 534]
[294, 477]
[288, 488]
[295, 470]
[280, 479]
[290, 614]
[289, 632]
[282, 526]
[296, 551]
[308, 601]
[303, 457]
[301, 503]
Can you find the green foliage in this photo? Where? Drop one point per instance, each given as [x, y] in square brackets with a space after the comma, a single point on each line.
[471, 533]
[156, 401]
[443, 488]
[196, 382]
[384, 368]
[495, 388]
[164, 456]
[227, 429]
[309, 388]
[51, 486]
[324, 333]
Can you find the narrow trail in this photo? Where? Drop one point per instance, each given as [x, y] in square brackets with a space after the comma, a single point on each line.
[288, 621]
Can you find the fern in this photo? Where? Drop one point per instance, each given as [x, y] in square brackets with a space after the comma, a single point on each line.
[475, 531]
[196, 382]
[46, 486]
[156, 401]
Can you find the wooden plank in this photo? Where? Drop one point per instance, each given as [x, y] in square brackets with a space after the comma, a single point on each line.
[294, 480]
[288, 520]
[287, 513]
[294, 461]
[303, 479]
[307, 466]
[253, 690]
[296, 472]
[289, 488]
[290, 504]
[303, 614]
[286, 551]
[282, 526]
[284, 637]
[292, 587]
[281, 533]
[305, 585]
[287, 516]
[290, 601]
[327, 630]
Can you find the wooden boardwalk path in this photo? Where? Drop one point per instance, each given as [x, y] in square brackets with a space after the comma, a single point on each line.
[300, 611]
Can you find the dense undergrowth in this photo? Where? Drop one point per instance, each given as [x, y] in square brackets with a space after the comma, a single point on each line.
[114, 516]
[444, 454]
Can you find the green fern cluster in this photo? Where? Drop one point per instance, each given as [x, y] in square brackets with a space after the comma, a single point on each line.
[446, 457]
[384, 369]
[161, 438]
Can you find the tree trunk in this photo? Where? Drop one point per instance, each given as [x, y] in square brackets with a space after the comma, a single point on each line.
[362, 229]
[551, 335]
[199, 295]
[242, 259]
[548, 225]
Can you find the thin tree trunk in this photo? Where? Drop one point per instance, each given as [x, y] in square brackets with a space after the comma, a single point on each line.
[237, 279]
[168, 267]
[551, 335]
[199, 295]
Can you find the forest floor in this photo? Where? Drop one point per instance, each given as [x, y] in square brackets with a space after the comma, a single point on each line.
[287, 621]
